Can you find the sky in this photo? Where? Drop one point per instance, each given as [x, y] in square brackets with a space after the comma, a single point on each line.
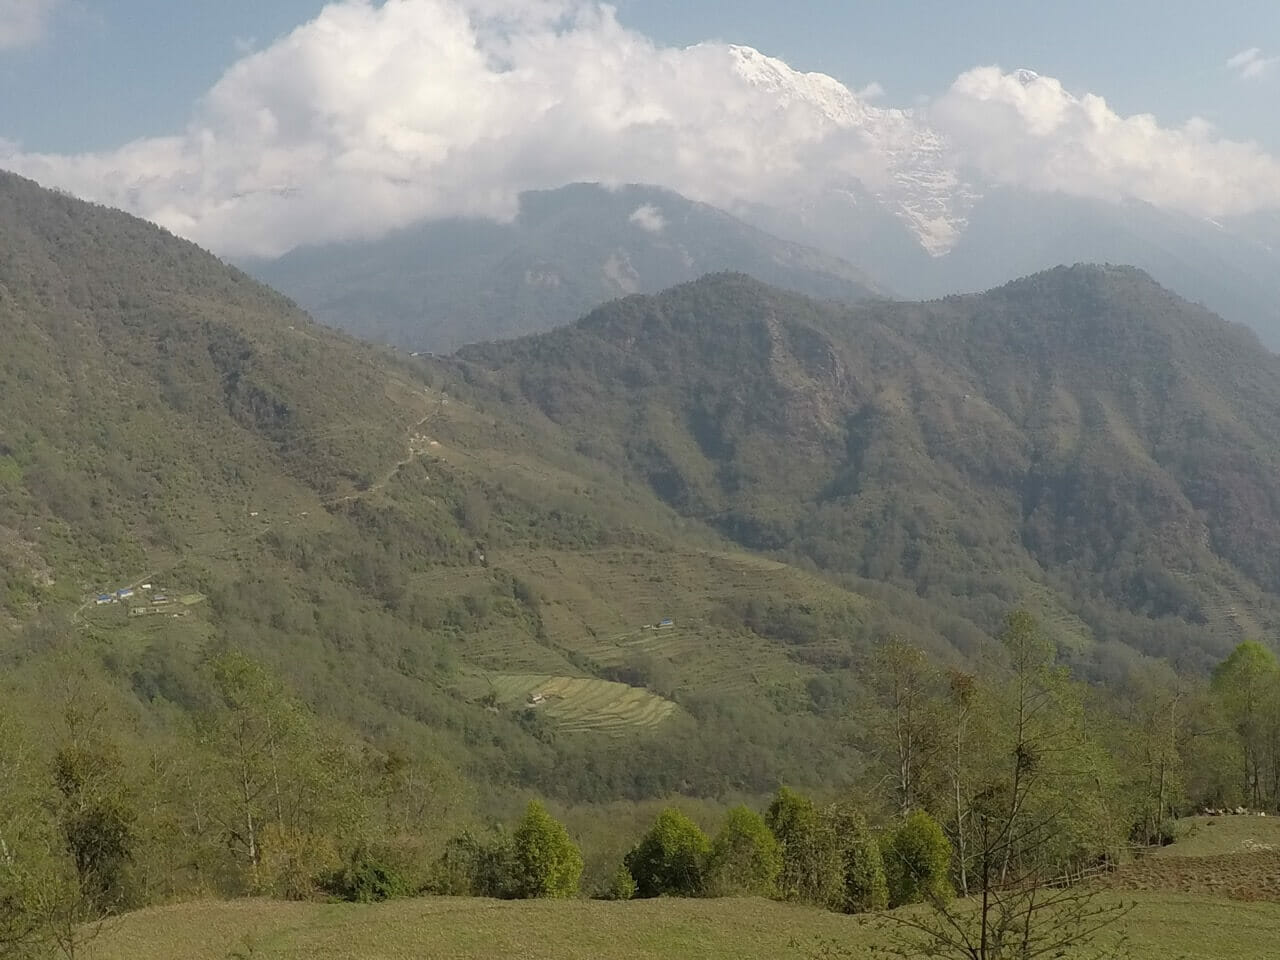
[236, 122]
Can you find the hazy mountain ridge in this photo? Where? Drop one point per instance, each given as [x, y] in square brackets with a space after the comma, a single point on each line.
[445, 283]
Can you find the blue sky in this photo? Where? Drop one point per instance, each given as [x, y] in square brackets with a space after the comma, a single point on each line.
[107, 71]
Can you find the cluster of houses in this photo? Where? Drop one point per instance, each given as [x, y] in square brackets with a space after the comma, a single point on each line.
[153, 602]
[121, 595]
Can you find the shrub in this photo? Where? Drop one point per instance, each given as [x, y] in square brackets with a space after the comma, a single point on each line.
[812, 871]
[670, 859]
[622, 886]
[366, 877]
[745, 858]
[917, 861]
[865, 885]
[472, 866]
[546, 862]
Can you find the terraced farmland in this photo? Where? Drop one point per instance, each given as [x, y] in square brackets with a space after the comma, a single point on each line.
[583, 704]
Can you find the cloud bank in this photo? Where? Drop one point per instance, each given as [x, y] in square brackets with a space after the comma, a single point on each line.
[23, 22]
[372, 116]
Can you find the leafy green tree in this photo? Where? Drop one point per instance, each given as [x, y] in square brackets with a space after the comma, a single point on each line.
[745, 859]
[917, 861]
[94, 814]
[546, 861]
[1245, 684]
[1041, 810]
[865, 885]
[28, 847]
[670, 860]
[274, 780]
[812, 868]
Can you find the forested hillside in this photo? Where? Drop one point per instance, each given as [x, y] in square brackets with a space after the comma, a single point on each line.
[1080, 439]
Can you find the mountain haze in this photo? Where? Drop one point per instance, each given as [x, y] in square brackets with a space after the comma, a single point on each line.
[445, 283]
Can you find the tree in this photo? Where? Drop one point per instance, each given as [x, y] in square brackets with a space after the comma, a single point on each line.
[473, 866]
[812, 867]
[745, 858]
[94, 814]
[1245, 684]
[964, 694]
[1034, 819]
[670, 860]
[27, 847]
[917, 862]
[96, 822]
[622, 886]
[866, 887]
[547, 863]
[903, 683]
[274, 780]
[1155, 704]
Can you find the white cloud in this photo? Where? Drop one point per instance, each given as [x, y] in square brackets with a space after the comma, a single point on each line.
[648, 217]
[872, 91]
[23, 22]
[1023, 129]
[1251, 64]
[374, 115]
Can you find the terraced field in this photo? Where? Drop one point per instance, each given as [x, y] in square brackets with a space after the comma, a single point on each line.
[609, 604]
[580, 704]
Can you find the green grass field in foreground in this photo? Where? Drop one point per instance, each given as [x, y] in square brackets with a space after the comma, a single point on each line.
[1161, 927]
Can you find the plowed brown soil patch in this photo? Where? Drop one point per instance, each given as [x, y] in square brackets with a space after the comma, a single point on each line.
[1238, 876]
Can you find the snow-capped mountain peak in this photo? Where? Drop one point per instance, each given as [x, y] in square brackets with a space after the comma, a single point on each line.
[905, 164]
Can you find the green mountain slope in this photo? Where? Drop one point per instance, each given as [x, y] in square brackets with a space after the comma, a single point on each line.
[417, 559]
[472, 559]
[445, 283]
[1082, 437]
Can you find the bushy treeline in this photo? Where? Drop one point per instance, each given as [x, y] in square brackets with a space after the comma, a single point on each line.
[797, 851]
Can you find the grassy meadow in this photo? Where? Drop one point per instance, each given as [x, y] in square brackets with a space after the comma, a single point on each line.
[1162, 926]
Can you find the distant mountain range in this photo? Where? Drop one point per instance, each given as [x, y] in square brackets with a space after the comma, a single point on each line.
[933, 225]
[444, 283]
[441, 284]
[1231, 267]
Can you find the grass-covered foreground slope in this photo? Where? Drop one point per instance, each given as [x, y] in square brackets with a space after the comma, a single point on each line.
[1168, 918]
[1081, 440]
[1161, 925]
